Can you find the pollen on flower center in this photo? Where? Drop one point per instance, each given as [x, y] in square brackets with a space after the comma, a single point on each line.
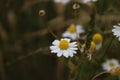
[72, 29]
[64, 44]
[112, 64]
[97, 38]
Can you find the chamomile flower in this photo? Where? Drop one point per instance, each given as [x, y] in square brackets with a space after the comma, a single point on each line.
[86, 1]
[110, 64]
[73, 31]
[116, 31]
[64, 47]
[61, 1]
[97, 38]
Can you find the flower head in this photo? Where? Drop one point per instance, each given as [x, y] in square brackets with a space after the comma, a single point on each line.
[64, 47]
[116, 31]
[97, 38]
[61, 1]
[73, 31]
[110, 64]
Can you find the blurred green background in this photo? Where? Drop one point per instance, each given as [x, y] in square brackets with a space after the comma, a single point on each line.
[23, 31]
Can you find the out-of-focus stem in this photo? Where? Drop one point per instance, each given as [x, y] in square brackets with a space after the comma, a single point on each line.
[99, 75]
[51, 32]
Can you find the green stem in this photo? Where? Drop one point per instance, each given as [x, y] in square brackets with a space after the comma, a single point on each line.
[108, 47]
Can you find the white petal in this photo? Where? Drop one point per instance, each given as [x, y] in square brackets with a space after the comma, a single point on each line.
[73, 49]
[116, 27]
[59, 54]
[79, 29]
[66, 34]
[106, 67]
[74, 52]
[119, 38]
[73, 44]
[70, 35]
[73, 36]
[116, 31]
[71, 54]
[53, 47]
[98, 46]
[55, 51]
[55, 42]
[66, 54]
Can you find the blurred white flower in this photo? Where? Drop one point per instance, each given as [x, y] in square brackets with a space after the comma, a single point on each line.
[64, 47]
[86, 1]
[62, 1]
[73, 31]
[116, 31]
[110, 64]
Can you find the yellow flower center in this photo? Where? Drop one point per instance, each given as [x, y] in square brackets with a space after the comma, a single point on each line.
[97, 38]
[64, 44]
[72, 29]
[92, 46]
[112, 64]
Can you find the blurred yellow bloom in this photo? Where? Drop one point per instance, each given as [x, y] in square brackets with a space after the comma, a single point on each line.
[97, 38]
[73, 31]
[92, 46]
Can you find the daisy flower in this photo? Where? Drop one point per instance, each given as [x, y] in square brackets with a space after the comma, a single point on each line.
[110, 64]
[97, 38]
[73, 31]
[62, 1]
[64, 47]
[116, 31]
[86, 1]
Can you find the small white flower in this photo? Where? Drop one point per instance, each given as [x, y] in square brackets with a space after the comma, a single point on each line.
[73, 31]
[61, 1]
[110, 64]
[64, 47]
[116, 31]
[86, 1]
